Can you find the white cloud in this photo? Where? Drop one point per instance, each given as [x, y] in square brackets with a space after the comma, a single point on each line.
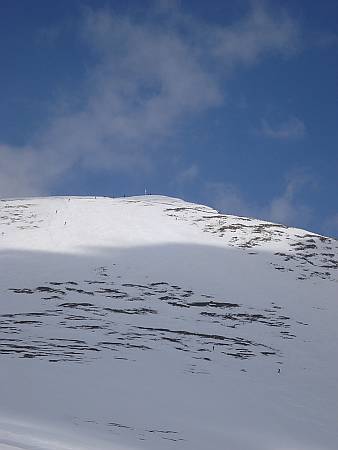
[326, 39]
[293, 128]
[227, 198]
[331, 226]
[285, 208]
[187, 175]
[258, 34]
[148, 77]
[21, 172]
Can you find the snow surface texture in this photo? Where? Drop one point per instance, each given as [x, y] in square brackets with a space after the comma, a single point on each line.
[153, 323]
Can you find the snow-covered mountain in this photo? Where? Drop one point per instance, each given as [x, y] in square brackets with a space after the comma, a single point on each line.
[153, 323]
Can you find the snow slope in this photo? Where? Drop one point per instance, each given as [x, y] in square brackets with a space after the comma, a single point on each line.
[153, 323]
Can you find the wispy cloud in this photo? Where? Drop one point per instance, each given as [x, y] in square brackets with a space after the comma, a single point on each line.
[227, 197]
[148, 77]
[286, 208]
[257, 34]
[23, 171]
[331, 225]
[326, 39]
[292, 128]
[187, 175]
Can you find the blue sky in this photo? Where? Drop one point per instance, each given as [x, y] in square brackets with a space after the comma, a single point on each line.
[231, 104]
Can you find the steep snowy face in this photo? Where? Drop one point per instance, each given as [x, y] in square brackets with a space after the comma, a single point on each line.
[149, 322]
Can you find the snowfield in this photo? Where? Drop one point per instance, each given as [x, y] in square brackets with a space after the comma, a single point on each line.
[153, 323]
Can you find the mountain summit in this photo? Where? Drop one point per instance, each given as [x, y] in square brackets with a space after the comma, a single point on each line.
[153, 323]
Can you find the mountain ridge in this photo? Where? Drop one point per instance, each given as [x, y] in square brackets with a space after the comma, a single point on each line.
[315, 254]
[153, 323]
